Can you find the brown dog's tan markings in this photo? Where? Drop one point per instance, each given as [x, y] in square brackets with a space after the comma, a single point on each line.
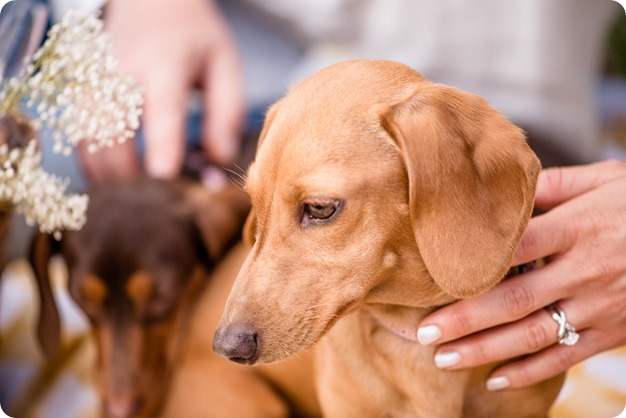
[140, 288]
[93, 289]
[378, 196]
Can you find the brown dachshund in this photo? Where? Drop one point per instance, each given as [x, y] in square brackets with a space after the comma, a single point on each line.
[136, 269]
[378, 196]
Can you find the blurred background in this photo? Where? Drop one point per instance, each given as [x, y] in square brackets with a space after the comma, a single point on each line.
[557, 68]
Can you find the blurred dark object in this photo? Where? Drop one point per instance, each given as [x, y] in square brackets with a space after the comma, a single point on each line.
[197, 162]
[615, 62]
[16, 134]
[613, 88]
[612, 101]
[549, 153]
[5, 228]
[22, 27]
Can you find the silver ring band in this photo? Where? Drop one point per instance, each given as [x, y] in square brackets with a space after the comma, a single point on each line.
[566, 333]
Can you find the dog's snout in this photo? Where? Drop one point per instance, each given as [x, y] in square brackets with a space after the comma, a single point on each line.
[238, 344]
[123, 406]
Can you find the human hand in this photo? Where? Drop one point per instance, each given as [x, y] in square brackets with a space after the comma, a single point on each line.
[583, 234]
[171, 47]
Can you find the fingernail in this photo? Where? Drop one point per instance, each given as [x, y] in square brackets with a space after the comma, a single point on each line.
[449, 359]
[160, 168]
[498, 383]
[428, 334]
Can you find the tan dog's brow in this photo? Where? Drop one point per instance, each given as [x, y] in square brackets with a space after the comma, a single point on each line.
[140, 287]
[93, 289]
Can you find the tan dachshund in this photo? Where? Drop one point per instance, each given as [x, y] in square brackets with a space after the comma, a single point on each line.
[377, 197]
[136, 270]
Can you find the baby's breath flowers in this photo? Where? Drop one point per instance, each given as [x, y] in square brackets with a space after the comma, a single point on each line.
[36, 194]
[72, 85]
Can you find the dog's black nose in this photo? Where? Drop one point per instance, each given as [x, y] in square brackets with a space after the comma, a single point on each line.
[238, 344]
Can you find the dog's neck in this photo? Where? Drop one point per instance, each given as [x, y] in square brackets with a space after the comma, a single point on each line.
[399, 320]
[388, 362]
[403, 319]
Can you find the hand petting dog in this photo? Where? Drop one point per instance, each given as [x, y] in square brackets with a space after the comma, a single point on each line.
[583, 235]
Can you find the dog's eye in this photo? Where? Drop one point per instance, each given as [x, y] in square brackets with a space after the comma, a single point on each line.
[319, 211]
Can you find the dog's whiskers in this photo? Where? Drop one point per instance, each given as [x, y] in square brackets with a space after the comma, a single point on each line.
[317, 306]
[238, 178]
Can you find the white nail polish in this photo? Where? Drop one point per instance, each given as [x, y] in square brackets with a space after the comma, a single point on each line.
[428, 334]
[449, 359]
[498, 383]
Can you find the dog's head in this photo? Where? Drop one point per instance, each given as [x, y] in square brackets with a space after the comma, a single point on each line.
[134, 269]
[372, 184]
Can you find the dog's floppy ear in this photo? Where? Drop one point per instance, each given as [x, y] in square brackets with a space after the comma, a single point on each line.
[249, 229]
[471, 181]
[219, 217]
[49, 325]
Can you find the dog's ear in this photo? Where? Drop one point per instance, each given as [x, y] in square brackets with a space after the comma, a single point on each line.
[219, 216]
[471, 181]
[249, 229]
[42, 248]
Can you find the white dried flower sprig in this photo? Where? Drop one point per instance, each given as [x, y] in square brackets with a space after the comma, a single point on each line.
[73, 83]
[36, 194]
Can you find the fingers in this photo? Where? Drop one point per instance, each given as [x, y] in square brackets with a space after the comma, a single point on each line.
[545, 235]
[171, 51]
[552, 361]
[118, 162]
[164, 122]
[224, 106]
[530, 335]
[535, 337]
[511, 300]
[558, 185]
[553, 232]
[164, 127]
